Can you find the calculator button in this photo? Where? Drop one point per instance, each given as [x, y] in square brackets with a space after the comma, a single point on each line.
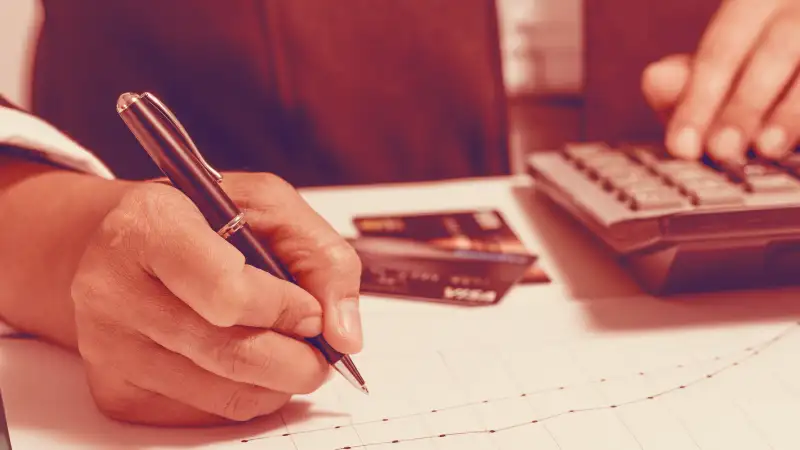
[611, 161]
[634, 180]
[579, 151]
[760, 170]
[790, 162]
[647, 200]
[645, 155]
[717, 196]
[779, 182]
[675, 166]
[691, 186]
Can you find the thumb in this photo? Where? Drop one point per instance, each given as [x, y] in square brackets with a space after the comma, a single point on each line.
[322, 261]
[664, 81]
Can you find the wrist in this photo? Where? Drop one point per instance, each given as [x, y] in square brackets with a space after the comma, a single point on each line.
[49, 216]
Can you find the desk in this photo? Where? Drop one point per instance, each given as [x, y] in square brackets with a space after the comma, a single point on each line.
[47, 400]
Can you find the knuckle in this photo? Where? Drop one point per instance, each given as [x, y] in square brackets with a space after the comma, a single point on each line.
[782, 37]
[287, 316]
[246, 403]
[137, 212]
[343, 256]
[243, 404]
[241, 358]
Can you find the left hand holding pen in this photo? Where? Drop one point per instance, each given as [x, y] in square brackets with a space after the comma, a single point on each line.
[739, 89]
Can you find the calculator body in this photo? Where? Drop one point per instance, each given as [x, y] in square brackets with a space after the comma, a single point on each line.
[681, 226]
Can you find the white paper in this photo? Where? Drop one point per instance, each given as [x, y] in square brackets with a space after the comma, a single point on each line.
[502, 378]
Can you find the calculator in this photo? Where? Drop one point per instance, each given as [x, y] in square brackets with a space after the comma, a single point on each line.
[680, 226]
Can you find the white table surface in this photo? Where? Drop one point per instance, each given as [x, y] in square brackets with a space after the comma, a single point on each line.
[47, 400]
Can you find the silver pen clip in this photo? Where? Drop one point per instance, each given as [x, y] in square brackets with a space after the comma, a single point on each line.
[184, 134]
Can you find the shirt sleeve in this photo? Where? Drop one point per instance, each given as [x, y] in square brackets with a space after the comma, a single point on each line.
[31, 136]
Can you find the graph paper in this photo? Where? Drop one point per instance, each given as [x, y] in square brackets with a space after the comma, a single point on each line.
[538, 377]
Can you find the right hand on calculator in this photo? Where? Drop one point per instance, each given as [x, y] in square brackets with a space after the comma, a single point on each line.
[739, 89]
[175, 329]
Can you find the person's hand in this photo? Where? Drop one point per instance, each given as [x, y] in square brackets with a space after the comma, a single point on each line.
[175, 329]
[741, 87]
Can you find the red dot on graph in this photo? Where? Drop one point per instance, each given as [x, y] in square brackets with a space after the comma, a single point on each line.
[395, 441]
[524, 395]
[433, 410]
[650, 398]
[602, 380]
[561, 388]
[287, 434]
[534, 421]
[683, 387]
[709, 376]
[486, 401]
[613, 406]
[491, 431]
[442, 435]
[337, 427]
[385, 420]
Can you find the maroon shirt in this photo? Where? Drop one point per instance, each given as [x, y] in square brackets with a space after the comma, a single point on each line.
[317, 91]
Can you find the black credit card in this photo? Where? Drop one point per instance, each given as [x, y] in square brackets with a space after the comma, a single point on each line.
[479, 230]
[403, 268]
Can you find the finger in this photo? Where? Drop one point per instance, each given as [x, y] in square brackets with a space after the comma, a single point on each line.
[158, 370]
[782, 128]
[123, 401]
[202, 269]
[319, 258]
[770, 69]
[664, 81]
[243, 354]
[725, 45]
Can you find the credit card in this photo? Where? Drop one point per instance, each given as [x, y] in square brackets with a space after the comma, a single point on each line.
[480, 230]
[415, 270]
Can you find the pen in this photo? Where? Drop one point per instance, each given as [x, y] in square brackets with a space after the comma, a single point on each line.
[172, 149]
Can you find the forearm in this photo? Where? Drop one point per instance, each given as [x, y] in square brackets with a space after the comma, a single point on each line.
[47, 216]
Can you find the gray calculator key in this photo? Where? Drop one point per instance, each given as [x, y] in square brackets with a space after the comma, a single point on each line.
[720, 196]
[760, 170]
[645, 155]
[610, 161]
[579, 151]
[654, 199]
[791, 161]
[780, 182]
[703, 184]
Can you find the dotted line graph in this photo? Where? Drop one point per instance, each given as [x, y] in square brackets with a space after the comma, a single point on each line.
[748, 353]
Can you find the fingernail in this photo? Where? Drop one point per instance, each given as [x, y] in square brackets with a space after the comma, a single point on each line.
[687, 143]
[727, 144]
[349, 318]
[310, 326]
[772, 141]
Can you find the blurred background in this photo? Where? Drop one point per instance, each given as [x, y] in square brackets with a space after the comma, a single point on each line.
[541, 39]
[571, 67]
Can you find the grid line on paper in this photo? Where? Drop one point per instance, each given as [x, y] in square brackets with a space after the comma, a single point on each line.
[616, 413]
[528, 406]
[749, 353]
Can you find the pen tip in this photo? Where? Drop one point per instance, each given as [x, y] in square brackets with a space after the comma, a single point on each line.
[365, 390]
[125, 100]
